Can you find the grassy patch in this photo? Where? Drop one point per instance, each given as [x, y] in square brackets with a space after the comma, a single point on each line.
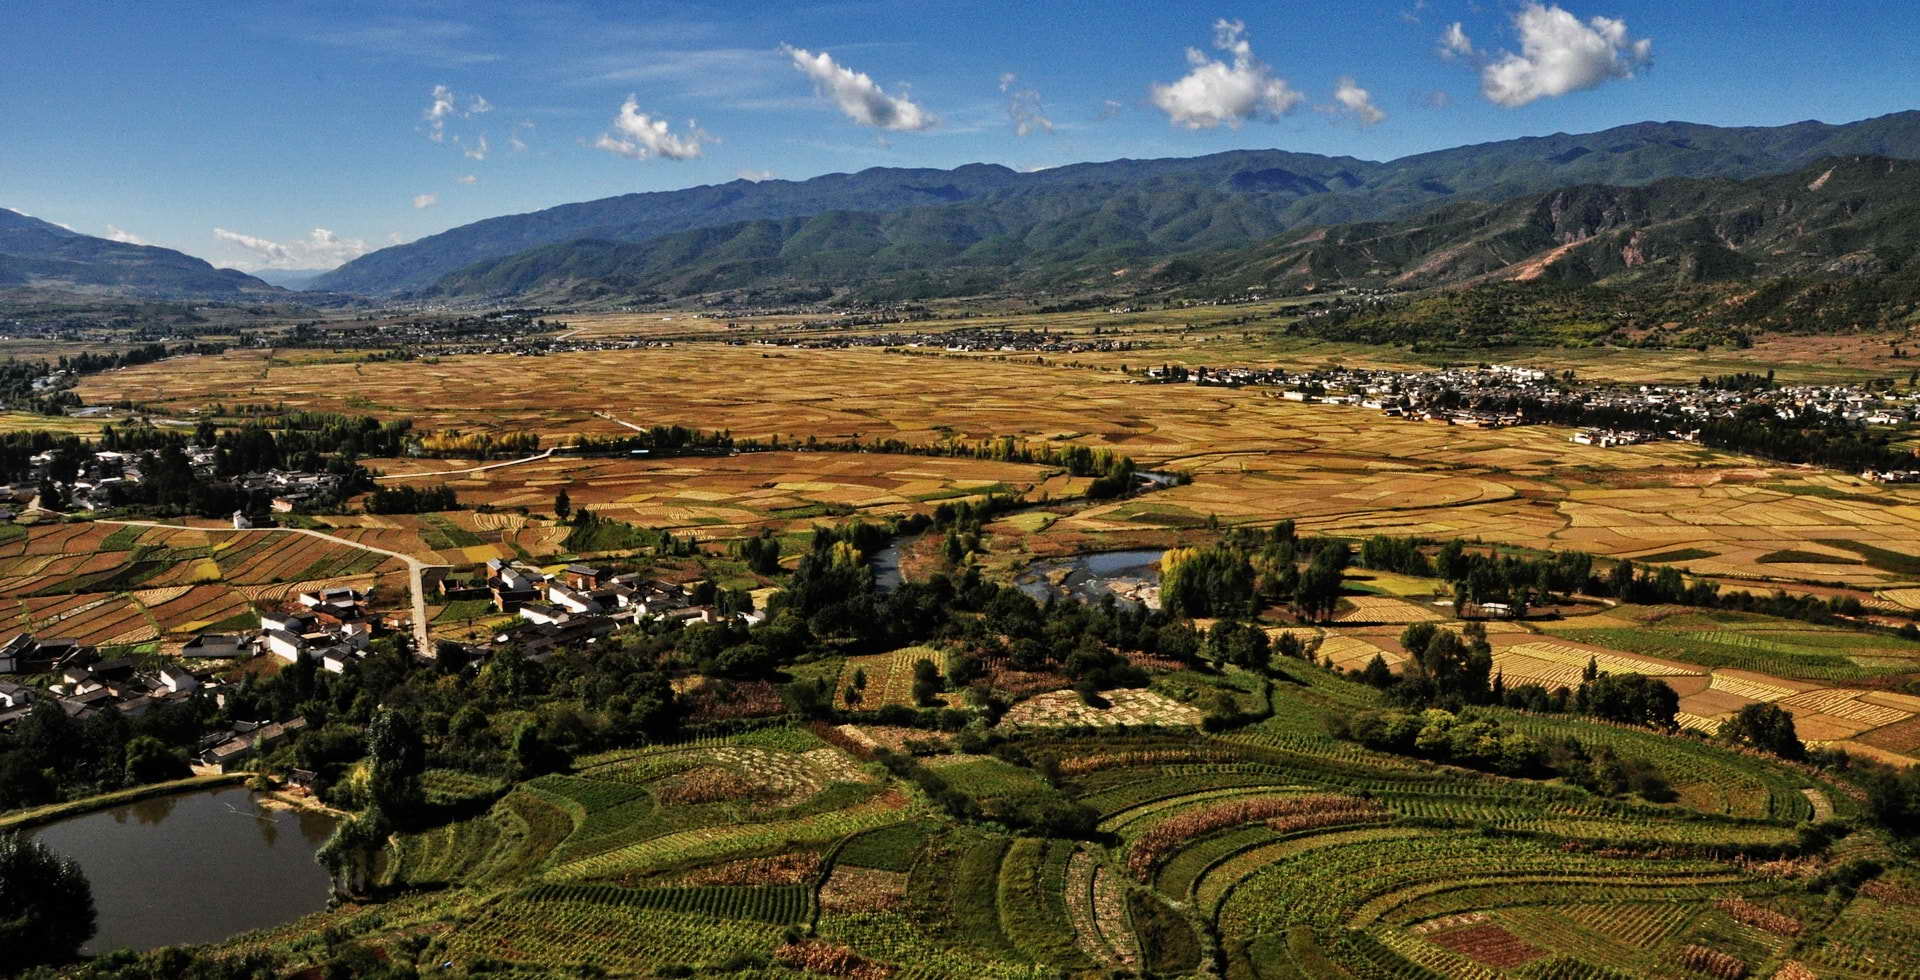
[890, 848]
[1166, 938]
[1796, 556]
[1897, 562]
[1679, 554]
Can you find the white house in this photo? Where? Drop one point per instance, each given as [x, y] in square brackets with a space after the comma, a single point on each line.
[321, 597]
[176, 680]
[287, 646]
[14, 695]
[336, 659]
[216, 646]
[571, 600]
[287, 622]
[540, 612]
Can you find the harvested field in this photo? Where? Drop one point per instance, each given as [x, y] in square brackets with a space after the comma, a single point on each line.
[720, 496]
[1254, 457]
[1126, 706]
[118, 585]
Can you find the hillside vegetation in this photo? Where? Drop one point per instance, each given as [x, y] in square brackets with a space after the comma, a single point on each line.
[1102, 212]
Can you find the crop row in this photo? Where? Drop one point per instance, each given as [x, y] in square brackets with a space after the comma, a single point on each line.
[709, 843]
[1339, 885]
[776, 904]
[609, 938]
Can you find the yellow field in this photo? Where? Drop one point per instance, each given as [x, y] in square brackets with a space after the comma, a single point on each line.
[721, 496]
[1255, 458]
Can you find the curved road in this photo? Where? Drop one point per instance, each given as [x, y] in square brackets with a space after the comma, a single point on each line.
[422, 636]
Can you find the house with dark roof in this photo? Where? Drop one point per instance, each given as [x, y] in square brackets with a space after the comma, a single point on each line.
[217, 646]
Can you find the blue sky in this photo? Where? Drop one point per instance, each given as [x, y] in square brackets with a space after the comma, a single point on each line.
[306, 133]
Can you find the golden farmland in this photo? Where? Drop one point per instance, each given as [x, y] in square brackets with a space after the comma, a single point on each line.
[1255, 458]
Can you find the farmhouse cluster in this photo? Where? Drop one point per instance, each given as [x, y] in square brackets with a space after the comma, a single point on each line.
[1501, 394]
[105, 479]
[83, 683]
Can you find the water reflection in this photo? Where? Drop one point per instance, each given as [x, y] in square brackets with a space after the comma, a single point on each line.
[194, 867]
[1126, 575]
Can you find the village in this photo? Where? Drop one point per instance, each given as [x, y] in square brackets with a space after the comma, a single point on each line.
[334, 629]
[1498, 395]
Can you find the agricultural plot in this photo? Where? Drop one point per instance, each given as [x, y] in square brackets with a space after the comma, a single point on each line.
[1380, 609]
[1303, 855]
[1062, 709]
[888, 677]
[126, 585]
[1254, 457]
[1302, 852]
[721, 496]
[1719, 666]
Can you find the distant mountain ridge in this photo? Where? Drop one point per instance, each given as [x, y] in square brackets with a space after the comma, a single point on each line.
[1853, 216]
[1219, 201]
[38, 253]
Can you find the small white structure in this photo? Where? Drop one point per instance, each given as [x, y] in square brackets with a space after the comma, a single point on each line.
[287, 646]
[540, 612]
[177, 681]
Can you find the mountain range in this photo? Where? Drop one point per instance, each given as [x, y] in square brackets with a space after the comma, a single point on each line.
[950, 231]
[1855, 216]
[40, 254]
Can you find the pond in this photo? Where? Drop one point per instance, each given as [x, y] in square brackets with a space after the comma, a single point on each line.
[194, 867]
[1130, 576]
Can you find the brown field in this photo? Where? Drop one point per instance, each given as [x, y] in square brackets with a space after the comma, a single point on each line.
[111, 585]
[1255, 457]
[721, 496]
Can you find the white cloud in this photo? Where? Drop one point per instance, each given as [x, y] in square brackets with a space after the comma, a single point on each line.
[1216, 92]
[1110, 108]
[1356, 101]
[119, 234]
[858, 95]
[444, 106]
[514, 142]
[477, 151]
[320, 249]
[1454, 42]
[1437, 99]
[425, 201]
[1559, 54]
[466, 179]
[755, 175]
[643, 137]
[1023, 107]
[437, 112]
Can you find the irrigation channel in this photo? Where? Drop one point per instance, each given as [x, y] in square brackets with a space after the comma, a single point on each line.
[194, 867]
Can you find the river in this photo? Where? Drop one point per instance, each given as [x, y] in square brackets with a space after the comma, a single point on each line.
[194, 867]
[1129, 576]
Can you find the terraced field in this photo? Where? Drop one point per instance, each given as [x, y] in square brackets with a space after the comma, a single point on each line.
[114, 585]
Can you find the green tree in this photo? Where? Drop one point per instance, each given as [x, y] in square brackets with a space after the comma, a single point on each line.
[562, 504]
[46, 904]
[534, 755]
[1767, 727]
[150, 760]
[397, 756]
[353, 851]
